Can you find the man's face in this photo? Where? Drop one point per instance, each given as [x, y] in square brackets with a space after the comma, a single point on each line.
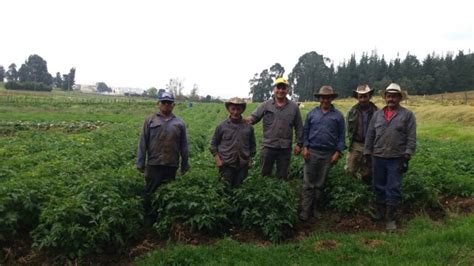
[363, 99]
[166, 107]
[235, 111]
[325, 101]
[280, 91]
[392, 99]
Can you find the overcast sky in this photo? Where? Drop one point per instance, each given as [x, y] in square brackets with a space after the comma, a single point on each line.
[219, 45]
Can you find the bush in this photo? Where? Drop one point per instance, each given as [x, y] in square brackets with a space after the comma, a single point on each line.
[27, 86]
[267, 205]
[196, 202]
[20, 205]
[344, 193]
[92, 219]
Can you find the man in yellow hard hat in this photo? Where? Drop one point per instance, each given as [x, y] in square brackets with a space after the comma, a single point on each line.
[281, 117]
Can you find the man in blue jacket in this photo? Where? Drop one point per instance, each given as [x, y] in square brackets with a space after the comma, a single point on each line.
[390, 141]
[324, 142]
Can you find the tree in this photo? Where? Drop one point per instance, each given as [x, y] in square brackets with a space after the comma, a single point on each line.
[35, 69]
[152, 92]
[12, 73]
[2, 73]
[310, 73]
[193, 96]
[71, 78]
[261, 85]
[175, 87]
[102, 87]
[58, 81]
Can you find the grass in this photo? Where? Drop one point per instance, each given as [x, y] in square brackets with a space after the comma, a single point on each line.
[424, 242]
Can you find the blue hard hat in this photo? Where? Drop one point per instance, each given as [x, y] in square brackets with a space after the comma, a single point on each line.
[166, 96]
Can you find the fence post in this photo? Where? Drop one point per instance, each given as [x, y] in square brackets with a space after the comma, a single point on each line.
[465, 97]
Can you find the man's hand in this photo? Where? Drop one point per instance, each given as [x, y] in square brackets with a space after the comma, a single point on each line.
[335, 157]
[184, 169]
[407, 157]
[297, 150]
[250, 163]
[248, 120]
[306, 154]
[141, 169]
[218, 160]
[367, 159]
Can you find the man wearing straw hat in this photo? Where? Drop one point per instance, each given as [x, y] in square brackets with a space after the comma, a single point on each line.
[390, 141]
[233, 144]
[323, 140]
[358, 119]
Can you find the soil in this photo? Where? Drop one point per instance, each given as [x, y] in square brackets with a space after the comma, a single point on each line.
[20, 252]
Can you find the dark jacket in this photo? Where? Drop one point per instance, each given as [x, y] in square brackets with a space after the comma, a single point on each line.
[234, 142]
[278, 124]
[324, 131]
[393, 139]
[162, 142]
[354, 122]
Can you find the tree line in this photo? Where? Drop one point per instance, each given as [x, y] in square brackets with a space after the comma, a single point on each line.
[434, 74]
[34, 75]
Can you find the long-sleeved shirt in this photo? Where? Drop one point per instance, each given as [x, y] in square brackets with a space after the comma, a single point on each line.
[162, 142]
[278, 123]
[394, 138]
[324, 131]
[234, 142]
[358, 122]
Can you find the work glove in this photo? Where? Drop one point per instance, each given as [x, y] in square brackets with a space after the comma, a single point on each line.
[403, 166]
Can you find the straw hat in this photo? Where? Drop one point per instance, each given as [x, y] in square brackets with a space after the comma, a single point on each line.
[325, 91]
[362, 89]
[394, 88]
[235, 101]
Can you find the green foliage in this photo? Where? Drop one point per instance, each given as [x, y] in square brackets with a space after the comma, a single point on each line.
[267, 205]
[196, 201]
[27, 86]
[344, 193]
[261, 86]
[21, 202]
[94, 217]
[35, 70]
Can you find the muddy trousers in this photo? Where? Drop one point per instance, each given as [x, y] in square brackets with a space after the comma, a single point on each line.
[357, 165]
[316, 170]
[155, 176]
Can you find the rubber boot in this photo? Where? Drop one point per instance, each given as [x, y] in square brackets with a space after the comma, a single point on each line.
[379, 213]
[391, 224]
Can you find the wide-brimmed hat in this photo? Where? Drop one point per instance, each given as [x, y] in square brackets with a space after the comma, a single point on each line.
[281, 81]
[362, 89]
[394, 88]
[325, 91]
[235, 101]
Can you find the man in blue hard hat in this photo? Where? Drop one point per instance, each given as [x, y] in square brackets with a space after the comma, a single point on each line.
[163, 141]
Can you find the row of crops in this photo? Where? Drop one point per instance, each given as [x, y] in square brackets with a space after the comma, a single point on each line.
[70, 186]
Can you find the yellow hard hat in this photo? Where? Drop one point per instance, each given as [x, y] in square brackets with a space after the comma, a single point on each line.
[281, 80]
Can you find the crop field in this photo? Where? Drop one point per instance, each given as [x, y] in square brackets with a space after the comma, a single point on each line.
[69, 192]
